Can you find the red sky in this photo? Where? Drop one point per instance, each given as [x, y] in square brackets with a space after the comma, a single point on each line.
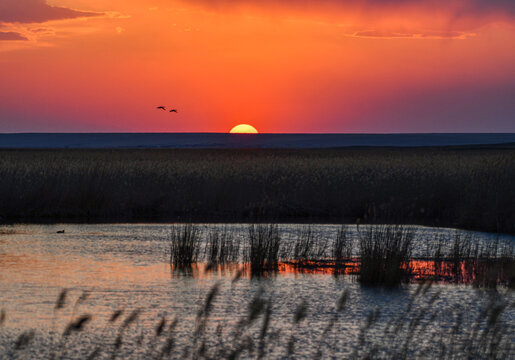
[282, 66]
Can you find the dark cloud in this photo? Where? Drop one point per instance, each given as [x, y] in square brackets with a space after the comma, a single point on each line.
[376, 34]
[35, 11]
[480, 4]
[454, 7]
[11, 35]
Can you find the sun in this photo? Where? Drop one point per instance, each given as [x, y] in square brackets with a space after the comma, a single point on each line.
[243, 129]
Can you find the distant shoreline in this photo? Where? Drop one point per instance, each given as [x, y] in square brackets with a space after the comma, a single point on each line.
[250, 141]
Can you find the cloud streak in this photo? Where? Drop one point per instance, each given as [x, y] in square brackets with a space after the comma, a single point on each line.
[36, 11]
[464, 14]
[11, 35]
[375, 34]
[457, 6]
[383, 19]
[20, 19]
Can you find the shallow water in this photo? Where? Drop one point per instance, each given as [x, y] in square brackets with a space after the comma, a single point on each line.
[125, 266]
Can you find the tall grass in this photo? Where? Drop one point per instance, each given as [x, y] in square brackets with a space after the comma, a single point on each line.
[184, 246]
[262, 252]
[452, 187]
[385, 251]
[342, 246]
[419, 330]
[309, 246]
[487, 334]
[461, 250]
[463, 258]
[383, 258]
[221, 247]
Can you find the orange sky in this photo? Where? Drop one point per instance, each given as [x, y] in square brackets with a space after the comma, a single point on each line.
[281, 66]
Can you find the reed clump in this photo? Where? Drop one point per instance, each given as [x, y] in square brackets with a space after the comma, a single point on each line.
[184, 246]
[262, 252]
[308, 246]
[342, 248]
[385, 251]
[466, 259]
[221, 247]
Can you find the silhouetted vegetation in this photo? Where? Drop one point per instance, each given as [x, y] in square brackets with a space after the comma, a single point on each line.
[342, 247]
[308, 246]
[262, 252]
[419, 330]
[221, 247]
[454, 187]
[184, 246]
[382, 257]
[384, 253]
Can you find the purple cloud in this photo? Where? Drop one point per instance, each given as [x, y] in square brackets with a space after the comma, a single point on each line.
[453, 8]
[36, 11]
[11, 35]
[472, 5]
[375, 34]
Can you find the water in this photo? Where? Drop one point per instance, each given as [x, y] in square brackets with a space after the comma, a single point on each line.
[125, 266]
[220, 140]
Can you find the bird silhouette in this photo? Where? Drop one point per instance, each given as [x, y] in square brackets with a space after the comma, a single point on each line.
[173, 110]
[161, 108]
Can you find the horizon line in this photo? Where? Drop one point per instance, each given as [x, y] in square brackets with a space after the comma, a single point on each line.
[261, 133]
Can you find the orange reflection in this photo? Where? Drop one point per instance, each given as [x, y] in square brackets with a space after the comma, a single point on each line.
[57, 271]
[83, 272]
[479, 272]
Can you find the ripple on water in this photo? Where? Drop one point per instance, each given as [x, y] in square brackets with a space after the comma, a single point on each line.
[126, 267]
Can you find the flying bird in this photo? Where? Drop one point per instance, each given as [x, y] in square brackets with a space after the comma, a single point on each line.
[161, 108]
[173, 110]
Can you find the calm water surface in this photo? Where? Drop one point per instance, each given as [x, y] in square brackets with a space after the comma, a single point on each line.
[125, 266]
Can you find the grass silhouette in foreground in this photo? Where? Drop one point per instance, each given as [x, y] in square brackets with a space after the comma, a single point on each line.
[421, 330]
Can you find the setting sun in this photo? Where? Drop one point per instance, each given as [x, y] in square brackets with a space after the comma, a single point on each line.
[243, 129]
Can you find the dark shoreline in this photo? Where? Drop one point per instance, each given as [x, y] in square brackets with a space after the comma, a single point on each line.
[251, 141]
[468, 187]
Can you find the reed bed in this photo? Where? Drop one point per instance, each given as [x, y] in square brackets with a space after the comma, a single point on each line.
[420, 330]
[384, 254]
[462, 258]
[470, 188]
[184, 246]
[308, 246]
[262, 252]
[342, 248]
[221, 247]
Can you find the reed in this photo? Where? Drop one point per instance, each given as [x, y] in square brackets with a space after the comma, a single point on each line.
[184, 246]
[469, 188]
[221, 247]
[262, 252]
[308, 246]
[461, 250]
[342, 247]
[384, 254]
[419, 330]
[467, 261]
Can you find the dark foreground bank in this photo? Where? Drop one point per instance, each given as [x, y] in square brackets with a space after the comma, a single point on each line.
[468, 187]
